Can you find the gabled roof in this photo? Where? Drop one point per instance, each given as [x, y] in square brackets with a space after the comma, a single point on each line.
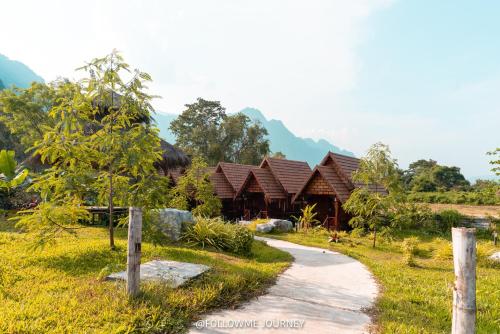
[345, 165]
[221, 185]
[266, 181]
[291, 174]
[331, 177]
[337, 171]
[235, 173]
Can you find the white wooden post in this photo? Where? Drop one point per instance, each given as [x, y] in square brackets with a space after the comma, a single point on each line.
[134, 250]
[464, 292]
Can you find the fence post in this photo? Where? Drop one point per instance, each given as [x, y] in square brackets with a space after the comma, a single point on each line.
[134, 250]
[464, 291]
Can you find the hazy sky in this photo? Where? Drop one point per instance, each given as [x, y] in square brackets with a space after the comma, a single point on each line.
[420, 75]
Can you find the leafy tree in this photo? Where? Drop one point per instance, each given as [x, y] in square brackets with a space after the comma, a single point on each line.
[11, 176]
[428, 175]
[279, 155]
[194, 190]
[416, 169]
[448, 178]
[102, 145]
[496, 161]
[204, 129]
[25, 111]
[369, 204]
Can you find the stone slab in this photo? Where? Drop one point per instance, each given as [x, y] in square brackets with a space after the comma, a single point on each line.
[172, 272]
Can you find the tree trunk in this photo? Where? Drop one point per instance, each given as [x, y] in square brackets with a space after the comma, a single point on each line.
[374, 236]
[464, 291]
[111, 231]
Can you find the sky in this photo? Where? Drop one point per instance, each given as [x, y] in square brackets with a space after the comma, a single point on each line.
[422, 76]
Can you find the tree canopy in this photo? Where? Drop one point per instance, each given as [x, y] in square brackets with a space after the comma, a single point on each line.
[428, 175]
[205, 130]
[101, 147]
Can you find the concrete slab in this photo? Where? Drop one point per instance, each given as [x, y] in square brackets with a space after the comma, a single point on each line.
[171, 272]
[322, 292]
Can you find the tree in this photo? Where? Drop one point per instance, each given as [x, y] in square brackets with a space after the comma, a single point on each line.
[11, 175]
[279, 155]
[102, 146]
[194, 190]
[25, 111]
[496, 161]
[204, 129]
[368, 203]
[448, 178]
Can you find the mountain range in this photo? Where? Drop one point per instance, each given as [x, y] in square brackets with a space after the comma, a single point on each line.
[281, 139]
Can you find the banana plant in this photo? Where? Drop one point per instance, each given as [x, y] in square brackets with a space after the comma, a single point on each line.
[11, 175]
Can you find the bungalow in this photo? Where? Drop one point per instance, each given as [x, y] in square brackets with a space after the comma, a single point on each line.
[227, 179]
[329, 186]
[268, 190]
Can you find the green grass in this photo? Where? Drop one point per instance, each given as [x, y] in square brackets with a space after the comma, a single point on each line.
[417, 299]
[59, 289]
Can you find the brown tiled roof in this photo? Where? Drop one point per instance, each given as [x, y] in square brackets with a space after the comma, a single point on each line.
[267, 182]
[329, 174]
[221, 185]
[175, 173]
[291, 174]
[235, 173]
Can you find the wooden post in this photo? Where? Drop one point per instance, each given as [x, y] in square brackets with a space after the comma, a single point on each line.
[134, 250]
[336, 214]
[464, 292]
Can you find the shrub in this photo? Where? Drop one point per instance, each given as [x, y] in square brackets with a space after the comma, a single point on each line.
[448, 219]
[409, 246]
[358, 232]
[214, 232]
[444, 251]
[412, 215]
[308, 217]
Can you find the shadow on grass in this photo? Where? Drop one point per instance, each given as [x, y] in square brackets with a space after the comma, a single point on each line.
[86, 262]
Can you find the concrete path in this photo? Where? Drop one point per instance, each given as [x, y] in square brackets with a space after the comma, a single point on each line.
[322, 292]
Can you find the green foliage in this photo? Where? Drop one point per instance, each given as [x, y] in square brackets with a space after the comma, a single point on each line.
[97, 139]
[408, 215]
[194, 189]
[308, 217]
[215, 233]
[11, 176]
[496, 160]
[204, 129]
[48, 220]
[409, 246]
[428, 175]
[448, 219]
[484, 196]
[25, 111]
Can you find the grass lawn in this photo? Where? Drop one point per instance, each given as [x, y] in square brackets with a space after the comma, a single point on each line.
[59, 289]
[416, 299]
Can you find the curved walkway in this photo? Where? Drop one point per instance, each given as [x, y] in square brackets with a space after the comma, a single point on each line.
[322, 292]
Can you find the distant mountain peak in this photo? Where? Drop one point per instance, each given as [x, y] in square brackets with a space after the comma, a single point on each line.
[254, 114]
[13, 72]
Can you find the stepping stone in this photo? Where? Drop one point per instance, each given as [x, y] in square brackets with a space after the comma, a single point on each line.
[172, 272]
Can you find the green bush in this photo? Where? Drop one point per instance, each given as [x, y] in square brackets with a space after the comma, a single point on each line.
[409, 246]
[214, 232]
[358, 232]
[448, 218]
[480, 197]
